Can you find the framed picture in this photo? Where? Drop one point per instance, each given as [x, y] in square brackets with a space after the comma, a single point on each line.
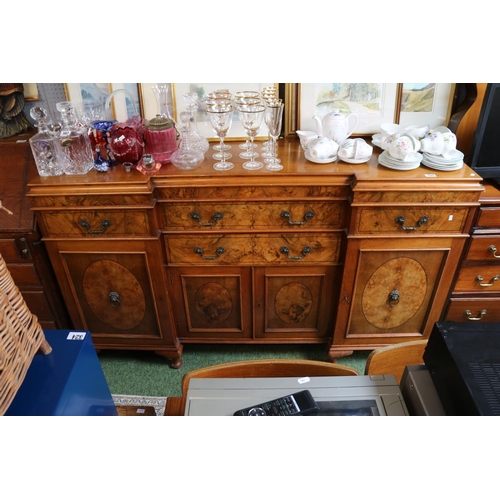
[425, 103]
[237, 132]
[373, 103]
[123, 105]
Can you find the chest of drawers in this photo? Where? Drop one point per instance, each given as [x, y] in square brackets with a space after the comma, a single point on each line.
[310, 254]
[476, 291]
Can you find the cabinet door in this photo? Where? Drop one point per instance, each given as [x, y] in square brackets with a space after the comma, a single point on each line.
[120, 296]
[396, 291]
[211, 303]
[294, 304]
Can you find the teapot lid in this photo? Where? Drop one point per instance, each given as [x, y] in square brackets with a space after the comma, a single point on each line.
[159, 123]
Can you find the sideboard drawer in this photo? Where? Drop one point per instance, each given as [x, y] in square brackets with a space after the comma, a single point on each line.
[285, 214]
[489, 217]
[410, 220]
[478, 278]
[95, 223]
[257, 249]
[484, 309]
[484, 248]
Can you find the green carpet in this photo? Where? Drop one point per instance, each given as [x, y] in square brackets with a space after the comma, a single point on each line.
[148, 374]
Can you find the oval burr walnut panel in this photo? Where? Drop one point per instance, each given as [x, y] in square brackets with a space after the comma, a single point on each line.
[406, 280]
[213, 303]
[119, 300]
[293, 303]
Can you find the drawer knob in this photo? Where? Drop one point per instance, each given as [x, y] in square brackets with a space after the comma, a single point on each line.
[216, 217]
[480, 278]
[475, 318]
[286, 251]
[307, 216]
[493, 250]
[104, 226]
[400, 219]
[218, 252]
[394, 298]
[114, 298]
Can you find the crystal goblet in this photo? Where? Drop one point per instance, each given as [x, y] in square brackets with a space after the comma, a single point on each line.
[275, 117]
[251, 118]
[221, 117]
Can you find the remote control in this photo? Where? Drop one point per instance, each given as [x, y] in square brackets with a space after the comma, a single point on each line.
[299, 403]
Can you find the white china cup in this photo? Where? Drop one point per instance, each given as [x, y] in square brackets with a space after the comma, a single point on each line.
[433, 143]
[391, 129]
[355, 149]
[419, 132]
[322, 148]
[450, 142]
[404, 147]
[305, 136]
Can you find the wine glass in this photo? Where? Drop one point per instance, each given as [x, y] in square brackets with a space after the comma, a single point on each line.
[274, 111]
[211, 101]
[251, 119]
[266, 151]
[250, 98]
[221, 117]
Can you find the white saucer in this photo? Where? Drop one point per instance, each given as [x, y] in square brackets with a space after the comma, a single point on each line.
[354, 161]
[388, 161]
[326, 160]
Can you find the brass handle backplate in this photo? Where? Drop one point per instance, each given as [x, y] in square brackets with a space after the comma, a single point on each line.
[104, 226]
[307, 216]
[218, 252]
[286, 251]
[493, 280]
[493, 250]
[216, 217]
[475, 318]
[400, 219]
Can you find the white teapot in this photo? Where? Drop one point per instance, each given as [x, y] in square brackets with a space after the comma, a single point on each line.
[336, 125]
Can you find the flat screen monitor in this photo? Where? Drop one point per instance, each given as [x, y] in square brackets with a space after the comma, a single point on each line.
[485, 151]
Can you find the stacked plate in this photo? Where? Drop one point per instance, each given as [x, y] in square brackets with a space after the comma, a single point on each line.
[452, 161]
[317, 160]
[410, 163]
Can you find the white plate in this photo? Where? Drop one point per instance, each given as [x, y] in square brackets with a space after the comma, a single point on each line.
[450, 168]
[389, 162]
[353, 160]
[327, 160]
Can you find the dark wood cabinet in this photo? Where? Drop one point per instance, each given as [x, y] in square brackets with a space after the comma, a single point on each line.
[20, 240]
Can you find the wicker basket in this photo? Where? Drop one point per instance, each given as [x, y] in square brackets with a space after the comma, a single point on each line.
[21, 336]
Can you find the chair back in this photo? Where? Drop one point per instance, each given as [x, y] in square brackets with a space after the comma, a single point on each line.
[392, 360]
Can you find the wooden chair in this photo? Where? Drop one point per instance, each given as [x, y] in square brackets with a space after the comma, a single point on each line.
[257, 369]
[392, 360]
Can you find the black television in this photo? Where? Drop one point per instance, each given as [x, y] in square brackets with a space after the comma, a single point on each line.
[485, 151]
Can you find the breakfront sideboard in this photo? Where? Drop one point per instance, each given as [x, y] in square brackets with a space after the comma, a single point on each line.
[349, 256]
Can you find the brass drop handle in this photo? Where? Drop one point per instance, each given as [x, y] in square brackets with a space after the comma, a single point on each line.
[216, 217]
[104, 226]
[114, 298]
[394, 298]
[493, 250]
[475, 318]
[286, 251]
[307, 216]
[218, 252]
[480, 278]
[400, 219]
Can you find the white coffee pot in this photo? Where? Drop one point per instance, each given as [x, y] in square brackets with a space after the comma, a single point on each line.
[336, 125]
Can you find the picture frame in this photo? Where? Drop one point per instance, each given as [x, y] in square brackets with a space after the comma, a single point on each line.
[425, 103]
[123, 105]
[237, 132]
[373, 103]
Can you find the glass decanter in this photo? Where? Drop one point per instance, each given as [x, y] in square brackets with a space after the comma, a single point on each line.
[162, 94]
[45, 145]
[187, 157]
[196, 139]
[76, 151]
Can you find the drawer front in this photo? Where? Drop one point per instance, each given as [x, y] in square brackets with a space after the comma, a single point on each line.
[284, 214]
[98, 223]
[410, 220]
[478, 278]
[24, 275]
[489, 217]
[484, 248]
[257, 249]
[481, 309]
[8, 250]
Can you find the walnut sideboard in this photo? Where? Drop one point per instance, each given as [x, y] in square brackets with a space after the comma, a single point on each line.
[350, 256]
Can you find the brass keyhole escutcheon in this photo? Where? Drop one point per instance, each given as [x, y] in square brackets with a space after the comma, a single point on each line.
[394, 298]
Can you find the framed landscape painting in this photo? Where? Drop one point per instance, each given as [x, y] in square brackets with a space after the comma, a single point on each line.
[425, 103]
[373, 103]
